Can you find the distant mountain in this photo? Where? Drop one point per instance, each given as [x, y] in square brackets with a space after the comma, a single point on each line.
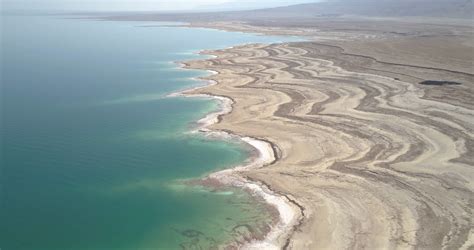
[463, 9]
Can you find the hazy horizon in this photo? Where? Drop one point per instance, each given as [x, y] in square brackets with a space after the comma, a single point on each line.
[143, 5]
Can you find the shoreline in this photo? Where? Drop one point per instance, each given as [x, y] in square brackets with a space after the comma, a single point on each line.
[288, 212]
[326, 124]
[340, 142]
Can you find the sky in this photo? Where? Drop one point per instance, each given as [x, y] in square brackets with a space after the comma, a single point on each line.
[144, 5]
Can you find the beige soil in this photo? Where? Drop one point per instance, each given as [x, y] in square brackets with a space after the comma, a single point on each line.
[373, 159]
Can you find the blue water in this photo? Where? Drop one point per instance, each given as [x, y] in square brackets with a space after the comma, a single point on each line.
[93, 153]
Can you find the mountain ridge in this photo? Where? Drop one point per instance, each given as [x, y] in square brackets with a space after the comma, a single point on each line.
[459, 9]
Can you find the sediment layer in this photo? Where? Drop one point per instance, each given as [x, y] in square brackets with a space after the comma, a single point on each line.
[371, 161]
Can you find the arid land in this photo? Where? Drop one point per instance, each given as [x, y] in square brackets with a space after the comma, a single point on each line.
[372, 122]
[374, 159]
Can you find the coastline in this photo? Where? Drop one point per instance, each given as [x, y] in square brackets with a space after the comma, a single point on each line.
[288, 213]
[374, 158]
[338, 147]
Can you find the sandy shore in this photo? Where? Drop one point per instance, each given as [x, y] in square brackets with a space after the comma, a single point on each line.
[354, 152]
[371, 161]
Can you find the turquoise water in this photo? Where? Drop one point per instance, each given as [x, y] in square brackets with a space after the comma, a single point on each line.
[93, 154]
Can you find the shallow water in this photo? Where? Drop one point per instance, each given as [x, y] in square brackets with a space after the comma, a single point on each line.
[93, 154]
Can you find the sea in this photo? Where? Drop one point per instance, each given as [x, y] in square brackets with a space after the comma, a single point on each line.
[94, 152]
